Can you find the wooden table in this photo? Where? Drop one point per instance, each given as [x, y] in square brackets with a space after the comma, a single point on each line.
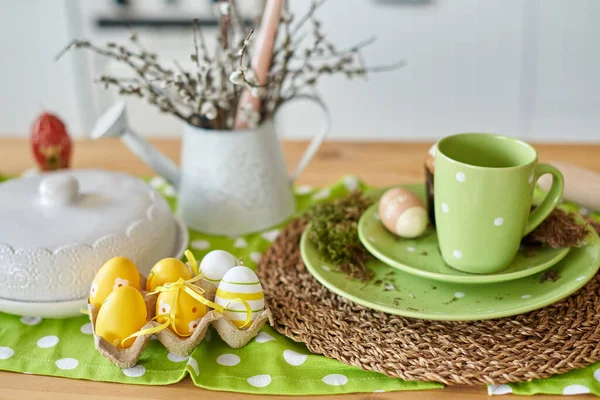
[376, 163]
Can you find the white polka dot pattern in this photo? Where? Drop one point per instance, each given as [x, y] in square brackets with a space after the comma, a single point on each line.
[260, 381]
[228, 360]
[67, 364]
[335, 379]
[134, 372]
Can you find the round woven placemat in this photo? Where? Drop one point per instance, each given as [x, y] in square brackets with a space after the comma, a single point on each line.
[535, 345]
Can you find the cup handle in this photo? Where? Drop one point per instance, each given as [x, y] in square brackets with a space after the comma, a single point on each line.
[552, 197]
[316, 141]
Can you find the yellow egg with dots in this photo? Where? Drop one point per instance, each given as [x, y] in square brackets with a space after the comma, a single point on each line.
[243, 284]
[115, 273]
[165, 271]
[186, 313]
[121, 315]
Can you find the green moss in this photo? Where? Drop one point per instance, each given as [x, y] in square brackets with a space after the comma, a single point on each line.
[334, 233]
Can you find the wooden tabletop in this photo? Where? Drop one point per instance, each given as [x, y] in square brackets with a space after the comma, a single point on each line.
[379, 164]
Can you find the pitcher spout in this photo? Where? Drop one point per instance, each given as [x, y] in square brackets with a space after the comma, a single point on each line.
[113, 123]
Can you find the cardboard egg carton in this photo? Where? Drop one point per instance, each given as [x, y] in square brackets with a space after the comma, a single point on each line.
[232, 335]
[124, 357]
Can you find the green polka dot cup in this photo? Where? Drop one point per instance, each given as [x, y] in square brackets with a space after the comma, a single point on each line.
[483, 189]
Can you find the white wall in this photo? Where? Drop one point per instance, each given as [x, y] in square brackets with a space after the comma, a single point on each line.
[566, 80]
[463, 71]
[527, 68]
[32, 32]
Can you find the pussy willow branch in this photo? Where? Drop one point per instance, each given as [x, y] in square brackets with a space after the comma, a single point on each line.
[125, 56]
[209, 93]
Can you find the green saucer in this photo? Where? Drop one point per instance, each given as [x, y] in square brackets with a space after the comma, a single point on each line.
[421, 256]
[397, 292]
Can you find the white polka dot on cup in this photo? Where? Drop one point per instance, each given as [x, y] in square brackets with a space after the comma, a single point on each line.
[526, 296]
[445, 208]
[531, 178]
[457, 254]
[459, 295]
[411, 249]
[335, 379]
[460, 176]
[597, 374]
[499, 221]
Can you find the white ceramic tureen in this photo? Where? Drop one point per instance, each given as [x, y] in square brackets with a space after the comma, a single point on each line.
[57, 229]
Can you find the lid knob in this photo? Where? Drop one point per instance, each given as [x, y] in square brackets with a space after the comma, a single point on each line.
[59, 189]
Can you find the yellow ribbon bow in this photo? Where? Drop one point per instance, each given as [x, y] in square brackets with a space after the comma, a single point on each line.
[189, 287]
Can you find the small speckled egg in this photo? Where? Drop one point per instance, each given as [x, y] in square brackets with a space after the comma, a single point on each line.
[240, 283]
[116, 272]
[187, 313]
[215, 264]
[167, 270]
[122, 314]
[403, 213]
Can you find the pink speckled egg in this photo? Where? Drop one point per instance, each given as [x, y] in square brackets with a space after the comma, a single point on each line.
[403, 213]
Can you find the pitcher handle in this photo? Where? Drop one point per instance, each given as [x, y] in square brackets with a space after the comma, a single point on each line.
[316, 141]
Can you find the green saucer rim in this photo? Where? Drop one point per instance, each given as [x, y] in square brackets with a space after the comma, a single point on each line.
[466, 279]
[314, 270]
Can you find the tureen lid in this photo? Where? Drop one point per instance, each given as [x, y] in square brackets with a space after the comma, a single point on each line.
[60, 208]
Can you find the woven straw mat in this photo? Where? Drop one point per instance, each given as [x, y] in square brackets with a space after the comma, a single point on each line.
[535, 345]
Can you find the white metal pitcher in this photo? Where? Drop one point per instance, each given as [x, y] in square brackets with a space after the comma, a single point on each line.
[230, 182]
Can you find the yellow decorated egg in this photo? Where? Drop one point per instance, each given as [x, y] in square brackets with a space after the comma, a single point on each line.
[187, 313]
[240, 283]
[167, 270]
[116, 272]
[215, 264]
[122, 314]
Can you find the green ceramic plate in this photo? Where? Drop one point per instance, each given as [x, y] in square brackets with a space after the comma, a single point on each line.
[422, 256]
[397, 292]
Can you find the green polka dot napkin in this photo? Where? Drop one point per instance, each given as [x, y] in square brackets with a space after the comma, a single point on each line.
[269, 364]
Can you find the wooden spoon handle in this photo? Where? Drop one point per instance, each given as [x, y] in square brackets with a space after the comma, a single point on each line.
[582, 186]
